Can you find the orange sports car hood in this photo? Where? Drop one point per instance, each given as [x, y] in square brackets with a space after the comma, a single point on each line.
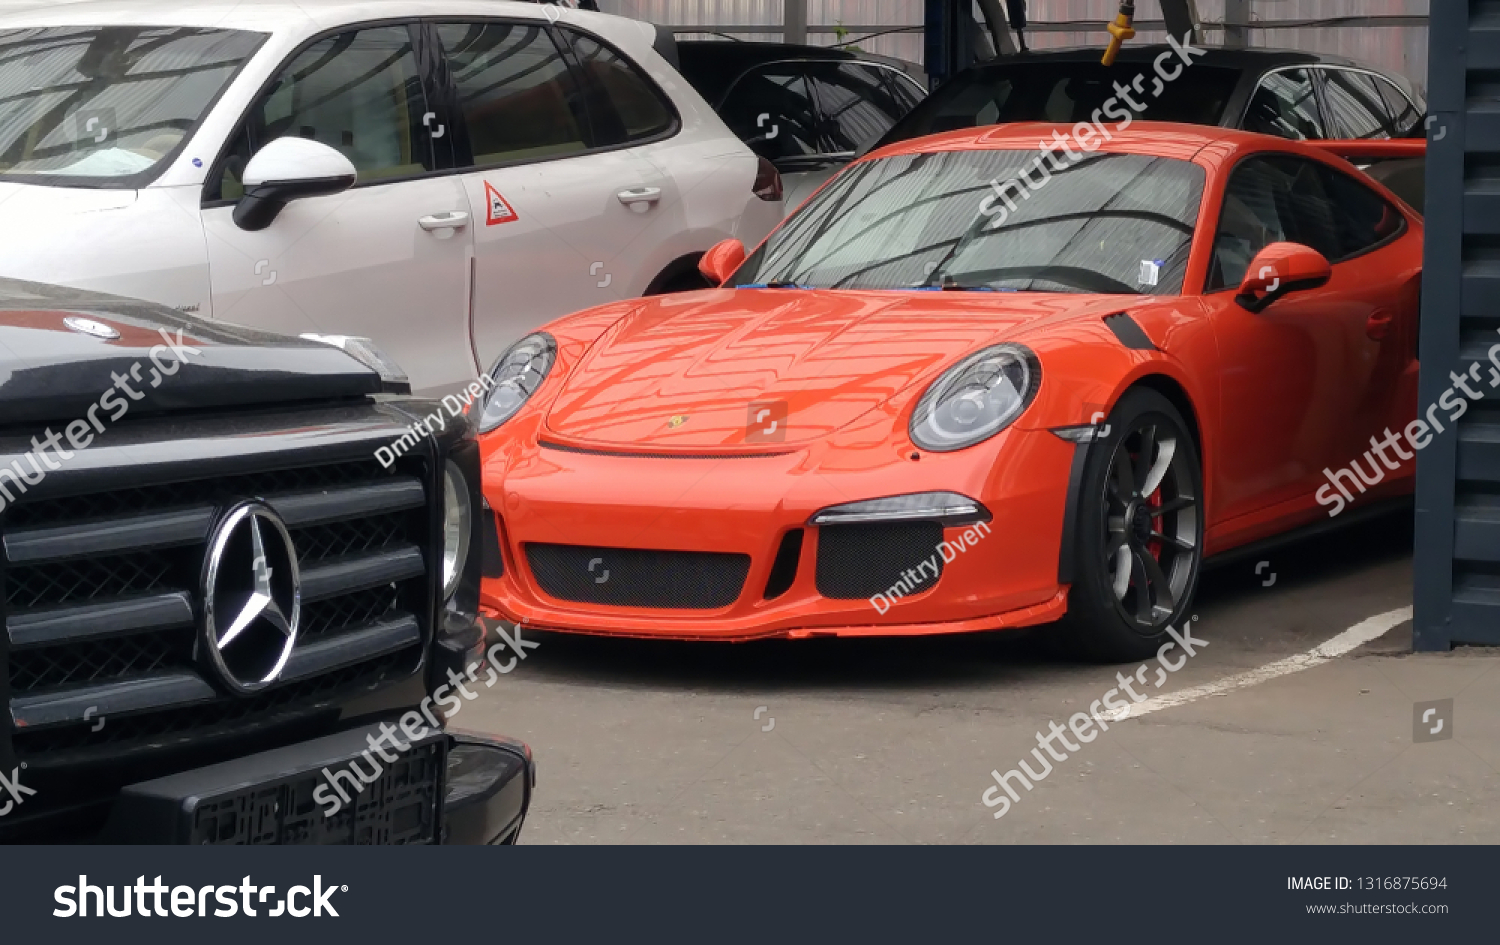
[697, 371]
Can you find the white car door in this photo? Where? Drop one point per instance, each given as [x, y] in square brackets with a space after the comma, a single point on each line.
[388, 258]
[557, 220]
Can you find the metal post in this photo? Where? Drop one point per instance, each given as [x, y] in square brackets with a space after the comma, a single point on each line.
[794, 21]
[1181, 17]
[1237, 23]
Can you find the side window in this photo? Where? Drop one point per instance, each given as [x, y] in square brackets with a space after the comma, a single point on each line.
[771, 110]
[1362, 216]
[858, 103]
[623, 104]
[1271, 200]
[1286, 106]
[1354, 105]
[514, 91]
[1406, 120]
[357, 92]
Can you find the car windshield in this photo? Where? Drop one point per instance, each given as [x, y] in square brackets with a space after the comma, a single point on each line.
[1068, 92]
[106, 106]
[1001, 220]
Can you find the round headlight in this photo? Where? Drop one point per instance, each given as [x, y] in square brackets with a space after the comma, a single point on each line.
[458, 523]
[976, 398]
[517, 375]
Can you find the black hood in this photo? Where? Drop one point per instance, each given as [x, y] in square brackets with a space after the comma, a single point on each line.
[62, 350]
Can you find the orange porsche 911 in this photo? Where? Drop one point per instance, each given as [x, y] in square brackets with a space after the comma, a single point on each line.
[975, 383]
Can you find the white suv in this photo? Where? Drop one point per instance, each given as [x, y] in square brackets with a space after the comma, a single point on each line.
[438, 175]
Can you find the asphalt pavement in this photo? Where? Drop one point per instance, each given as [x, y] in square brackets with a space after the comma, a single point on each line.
[894, 740]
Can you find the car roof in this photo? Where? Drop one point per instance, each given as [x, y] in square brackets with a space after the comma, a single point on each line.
[266, 15]
[1164, 138]
[1221, 56]
[712, 65]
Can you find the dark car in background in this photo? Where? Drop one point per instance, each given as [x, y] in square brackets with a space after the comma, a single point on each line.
[806, 109]
[231, 568]
[1285, 93]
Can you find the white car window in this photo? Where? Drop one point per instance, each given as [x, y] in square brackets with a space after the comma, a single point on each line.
[515, 92]
[623, 105]
[358, 92]
[107, 104]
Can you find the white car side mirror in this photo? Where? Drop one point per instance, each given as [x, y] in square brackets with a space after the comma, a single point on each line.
[288, 169]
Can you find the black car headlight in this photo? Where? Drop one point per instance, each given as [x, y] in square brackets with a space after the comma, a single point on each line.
[458, 522]
[976, 398]
[517, 375]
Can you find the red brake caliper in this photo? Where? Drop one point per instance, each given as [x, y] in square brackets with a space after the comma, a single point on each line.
[1154, 545]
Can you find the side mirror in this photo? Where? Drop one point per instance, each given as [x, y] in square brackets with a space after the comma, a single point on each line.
[285, 170]
[1280, 269]
[720, 262]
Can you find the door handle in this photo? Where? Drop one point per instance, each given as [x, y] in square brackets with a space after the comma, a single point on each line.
[453, 219]
[1379, 325]
[639, 195]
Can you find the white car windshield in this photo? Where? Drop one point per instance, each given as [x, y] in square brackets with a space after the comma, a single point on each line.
[107, 105]
[992, 220]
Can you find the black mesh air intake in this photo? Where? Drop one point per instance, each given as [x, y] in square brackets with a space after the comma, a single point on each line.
[631, 577]
[860, 561]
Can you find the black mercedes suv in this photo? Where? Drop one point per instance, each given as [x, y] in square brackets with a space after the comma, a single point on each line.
[222, 587]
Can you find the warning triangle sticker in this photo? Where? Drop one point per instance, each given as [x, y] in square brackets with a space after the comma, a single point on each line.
[496, 209]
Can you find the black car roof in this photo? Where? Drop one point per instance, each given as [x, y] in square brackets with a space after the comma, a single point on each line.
[1223, 57]
[710, 65]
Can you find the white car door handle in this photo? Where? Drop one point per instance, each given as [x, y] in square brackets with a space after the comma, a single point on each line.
[639, 195]
[442, 221]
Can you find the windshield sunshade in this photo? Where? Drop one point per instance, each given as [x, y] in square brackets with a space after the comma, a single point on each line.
[107, 105]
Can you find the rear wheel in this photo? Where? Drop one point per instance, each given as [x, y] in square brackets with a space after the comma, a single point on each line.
[1140, 533]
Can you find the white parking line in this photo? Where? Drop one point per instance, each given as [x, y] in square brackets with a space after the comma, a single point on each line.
[1361, 633]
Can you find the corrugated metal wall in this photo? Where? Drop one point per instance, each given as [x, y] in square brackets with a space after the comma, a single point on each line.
[1401, 49]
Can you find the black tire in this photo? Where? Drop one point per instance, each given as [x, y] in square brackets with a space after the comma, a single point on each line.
[1157, 537]
[681, 276]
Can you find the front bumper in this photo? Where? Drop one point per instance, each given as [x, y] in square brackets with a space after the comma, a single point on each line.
[439, 787]
[584, 502]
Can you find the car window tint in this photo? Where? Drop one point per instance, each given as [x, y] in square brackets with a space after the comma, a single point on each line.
[1354, 105]
[1363, 217]
[858, 103]
[1286, 199]
[357, 92]
[1067, 92]
[1406, 120]
[623, 104]
[513, 90]
[771, 110]
[1285, 105]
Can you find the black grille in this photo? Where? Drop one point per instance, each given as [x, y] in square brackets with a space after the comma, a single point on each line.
[225, 717]
[328, 617]
[631, 577]
[84, 579]
[141, 499]
[332, 539]
[113, 658]
[327, 530]
[860, 561]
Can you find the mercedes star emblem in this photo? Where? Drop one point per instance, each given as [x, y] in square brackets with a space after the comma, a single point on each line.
[252, 597]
